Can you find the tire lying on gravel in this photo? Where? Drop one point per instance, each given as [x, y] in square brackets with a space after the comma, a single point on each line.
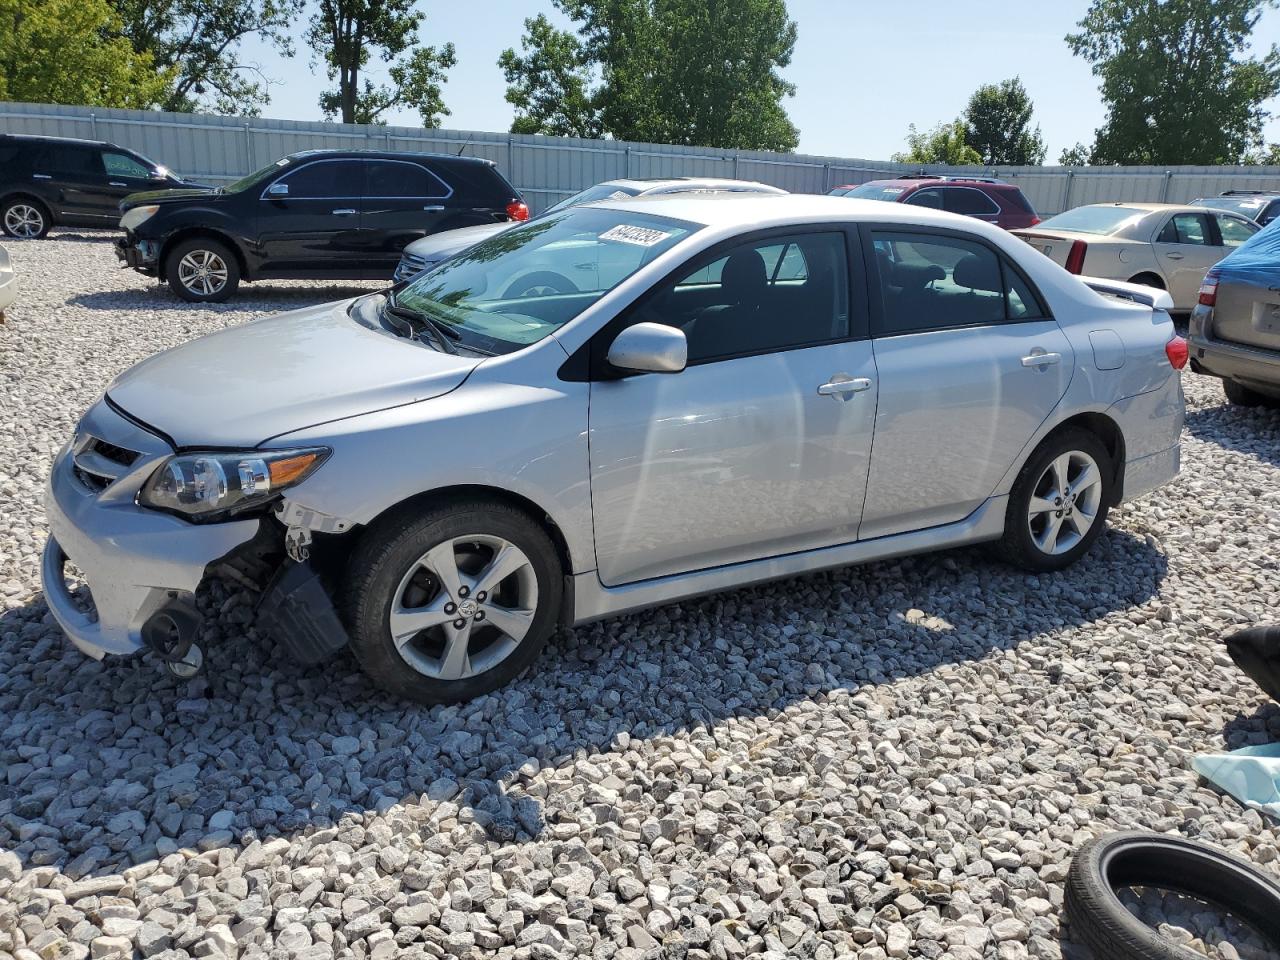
[202, 270]
[1058, 505]
[1110, 863]
[447, 604]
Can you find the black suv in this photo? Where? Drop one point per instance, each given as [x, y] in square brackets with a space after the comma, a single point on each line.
[1260, 206]
[321, 214]
[57, 181]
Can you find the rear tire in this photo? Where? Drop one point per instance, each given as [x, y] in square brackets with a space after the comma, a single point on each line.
[1058, 505]
[1148, 280]
[1242, 396]
[24, 218]
[452, 603]
[201, 270]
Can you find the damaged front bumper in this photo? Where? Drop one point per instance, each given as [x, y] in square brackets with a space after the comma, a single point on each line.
[142, 255]
[135, 561]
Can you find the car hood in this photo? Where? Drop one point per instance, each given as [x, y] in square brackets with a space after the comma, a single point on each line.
[439, 246]
[242, 386]
[172, 195]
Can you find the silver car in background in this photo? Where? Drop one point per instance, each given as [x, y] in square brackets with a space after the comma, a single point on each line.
[426, 253]
[1234, 334]
[775, 385]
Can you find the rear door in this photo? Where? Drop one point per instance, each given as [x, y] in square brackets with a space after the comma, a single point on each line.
[970, 364]
[314, 227]
[1186, 247]
[403, 201]
[73, 175]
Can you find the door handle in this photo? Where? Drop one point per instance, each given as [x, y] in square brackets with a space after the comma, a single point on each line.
[42, 176]
[434, 208]
[116, 183]
[344, 212]
[844, 386]
[1174, 256]
[1041, 359]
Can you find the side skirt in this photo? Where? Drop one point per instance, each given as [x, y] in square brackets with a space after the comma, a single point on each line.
[594, 601]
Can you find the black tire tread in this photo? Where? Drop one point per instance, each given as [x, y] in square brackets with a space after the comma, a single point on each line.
[32, 201]
[361, 604]
[202, 242]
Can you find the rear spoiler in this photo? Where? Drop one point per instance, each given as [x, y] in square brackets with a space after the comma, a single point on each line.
[1136, 292]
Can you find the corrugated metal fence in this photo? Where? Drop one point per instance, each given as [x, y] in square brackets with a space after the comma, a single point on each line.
[547, 169]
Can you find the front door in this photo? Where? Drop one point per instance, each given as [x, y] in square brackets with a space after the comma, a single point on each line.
[125, 174]
[313, 227]
[403, 202]
[1186, 247]
[970, 365]
[760, 446]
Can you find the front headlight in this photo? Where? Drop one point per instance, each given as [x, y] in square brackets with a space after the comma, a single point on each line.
[209, 486]
[136, 216]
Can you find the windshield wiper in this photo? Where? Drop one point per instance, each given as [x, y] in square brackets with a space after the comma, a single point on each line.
[441, 333]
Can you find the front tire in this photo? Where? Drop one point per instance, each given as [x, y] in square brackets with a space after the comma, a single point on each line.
[23, 218]
[452, 603]
[201, 270]
[1059, 503]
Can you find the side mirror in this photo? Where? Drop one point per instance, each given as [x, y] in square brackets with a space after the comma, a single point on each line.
[650, 348]
[278, 190]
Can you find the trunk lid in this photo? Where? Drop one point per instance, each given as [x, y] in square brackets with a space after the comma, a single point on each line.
[1057, 245]
[1247, 314]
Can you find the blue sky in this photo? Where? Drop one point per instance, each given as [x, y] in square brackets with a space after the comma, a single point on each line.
[862, 71]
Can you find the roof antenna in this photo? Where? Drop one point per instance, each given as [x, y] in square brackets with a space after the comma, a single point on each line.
[465, 145]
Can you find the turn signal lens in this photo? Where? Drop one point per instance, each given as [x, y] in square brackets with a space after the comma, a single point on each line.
[1209, 290]
[292, 469]
[517, 210]
[1177, 352]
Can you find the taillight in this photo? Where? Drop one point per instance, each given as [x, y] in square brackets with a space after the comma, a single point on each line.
[1209, 290]
[1035, 220]
[1177, 352]
[517, 210]
[1075, 259]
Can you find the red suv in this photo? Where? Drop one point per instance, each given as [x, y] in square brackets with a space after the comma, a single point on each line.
[982, 197]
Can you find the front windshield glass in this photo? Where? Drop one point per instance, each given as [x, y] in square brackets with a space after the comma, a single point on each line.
[1103, 221]
[269, 170]
[876, 191]
[601, 191]
[517, 287]
[1245, 206]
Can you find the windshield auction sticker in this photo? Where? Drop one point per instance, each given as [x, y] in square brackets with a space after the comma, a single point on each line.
[637, 236]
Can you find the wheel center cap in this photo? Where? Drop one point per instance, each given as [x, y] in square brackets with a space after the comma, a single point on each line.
[467, 608]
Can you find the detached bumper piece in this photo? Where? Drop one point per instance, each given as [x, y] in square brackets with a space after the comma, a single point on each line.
[296, 610]
[140, 255]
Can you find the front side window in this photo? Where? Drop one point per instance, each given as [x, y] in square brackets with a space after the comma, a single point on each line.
[777, 294]
[324, 180]
[399, 179]
[123, 165]
[1234, 231]
[516, 288]
[930, 282]
[1192, 228]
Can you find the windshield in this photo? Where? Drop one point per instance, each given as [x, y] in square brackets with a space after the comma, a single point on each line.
[876, 191]
[1245, 206]
[1103, 221]
[269, 170]
[601, 191]
[517, 287]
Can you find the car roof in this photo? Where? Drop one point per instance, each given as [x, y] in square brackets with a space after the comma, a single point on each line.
[1149, 207]
[78, 141]
[663, 184]
[387, 155]
[766, 210]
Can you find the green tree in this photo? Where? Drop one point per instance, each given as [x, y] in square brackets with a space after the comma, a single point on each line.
[945, 143]
[197, 42]
[347, 34]
[549, 85]
[998, 125]
[696, 72]
[1175, 79]
[1077, 156]
[70, 51]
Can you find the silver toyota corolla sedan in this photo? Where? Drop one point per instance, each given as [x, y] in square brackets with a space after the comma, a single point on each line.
[736, 390]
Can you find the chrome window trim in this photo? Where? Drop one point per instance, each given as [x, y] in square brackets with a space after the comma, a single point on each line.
[431, 173]
[362, 160]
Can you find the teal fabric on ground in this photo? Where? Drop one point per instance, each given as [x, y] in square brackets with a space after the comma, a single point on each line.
[1250, 774]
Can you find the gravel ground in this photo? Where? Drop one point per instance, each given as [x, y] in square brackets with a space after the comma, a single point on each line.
[893, 760]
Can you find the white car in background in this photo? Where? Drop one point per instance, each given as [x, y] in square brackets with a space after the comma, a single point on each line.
[1161, 245]
[8, 286]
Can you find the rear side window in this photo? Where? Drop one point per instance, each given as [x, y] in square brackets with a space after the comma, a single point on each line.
[394, 179]
[473, 184]
[1234, 231]
[1190, 228]
[71, 160]
[1018, 200]
[1270, 213]
[970, 202]
[932, 282]
[324, 180]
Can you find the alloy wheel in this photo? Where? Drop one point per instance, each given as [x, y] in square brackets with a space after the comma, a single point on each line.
[24, 220]
[1065, 502]
[463, 607]
[202, 272]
